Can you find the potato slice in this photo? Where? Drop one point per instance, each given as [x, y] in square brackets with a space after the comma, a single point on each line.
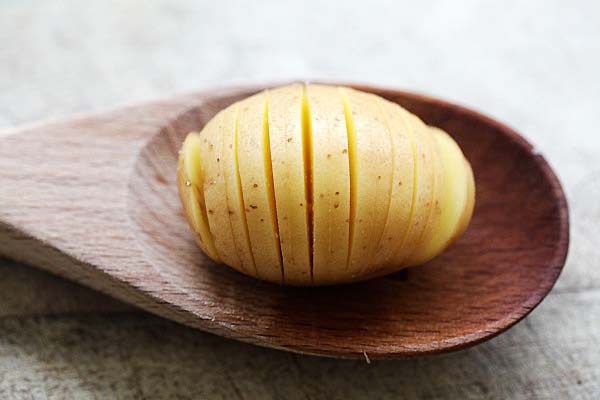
[331, 183]
[403, 167]
[454, 194]
[369, 147]
[292, 180]
[185, 196]
[234, 199]
[191, 181]
[256, 176]
[422, 188]
[215, 187]
[435, 208]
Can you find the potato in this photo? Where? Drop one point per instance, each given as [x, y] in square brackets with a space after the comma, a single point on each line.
[422, 191]
[289, 139]
[331, 182]
[434, 205]
[191, 182]
[370, 157]
[233, 193]
[399, 215]
[317, 185]
[211, 153]
[455, 186]
[256, 178]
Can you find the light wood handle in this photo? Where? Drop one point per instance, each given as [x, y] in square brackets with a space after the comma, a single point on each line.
[64, 193]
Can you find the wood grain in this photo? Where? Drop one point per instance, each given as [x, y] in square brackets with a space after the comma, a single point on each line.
[93, 199]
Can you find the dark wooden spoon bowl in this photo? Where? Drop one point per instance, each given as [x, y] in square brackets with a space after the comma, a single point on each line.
[94, 199]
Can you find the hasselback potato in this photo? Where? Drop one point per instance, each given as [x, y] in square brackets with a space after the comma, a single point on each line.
[315, 185]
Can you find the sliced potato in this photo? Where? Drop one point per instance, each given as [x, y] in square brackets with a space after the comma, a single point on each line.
[191, 182]
[256, 176]
[184, 187]
[315, 185]
[331, 183]
[291, 181]
[435, 209]
[403, 181]
[215, 187]
[369, 147]
[422, 189]
[234, 199]
[454, 194]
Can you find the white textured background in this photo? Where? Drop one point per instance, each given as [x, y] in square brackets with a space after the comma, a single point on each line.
[533, 64]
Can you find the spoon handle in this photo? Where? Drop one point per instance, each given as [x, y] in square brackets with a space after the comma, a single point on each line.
[63, 195]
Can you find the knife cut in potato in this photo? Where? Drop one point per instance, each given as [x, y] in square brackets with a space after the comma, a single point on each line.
[291, 182]
[318, 185]
[331, 182]
[256, 177]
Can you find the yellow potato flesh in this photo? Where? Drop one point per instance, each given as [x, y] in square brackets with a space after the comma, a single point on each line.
[233, 196]
[369, 146]
[403, 170]
[191, 184]
[315, 185]
[215, 187]
[422, 187]
[290, 180]
[454, 191]
[256, 176]
[435, 206]
[331, 182]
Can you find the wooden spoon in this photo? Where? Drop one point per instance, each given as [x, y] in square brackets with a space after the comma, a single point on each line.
[94, 199]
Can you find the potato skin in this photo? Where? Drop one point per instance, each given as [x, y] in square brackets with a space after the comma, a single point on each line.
[387, 164]
[184, 189]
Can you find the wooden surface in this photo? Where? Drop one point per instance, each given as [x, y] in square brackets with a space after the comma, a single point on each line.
[107, 215]
[532, 64]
